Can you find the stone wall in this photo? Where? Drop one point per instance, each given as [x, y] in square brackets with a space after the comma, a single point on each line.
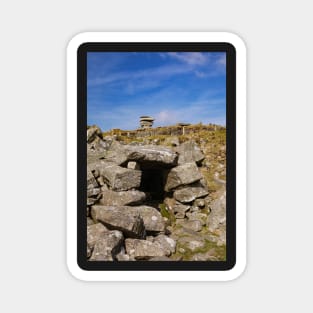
[127, 220]
[175, 130]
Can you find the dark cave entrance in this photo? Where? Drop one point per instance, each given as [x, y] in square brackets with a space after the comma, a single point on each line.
[152, 183]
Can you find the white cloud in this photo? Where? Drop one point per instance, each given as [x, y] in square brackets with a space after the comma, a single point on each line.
[189, 62]
[166, 117]
[222, 59]
[190, 58]
[200, 74]
[206, 111]
[157, 73]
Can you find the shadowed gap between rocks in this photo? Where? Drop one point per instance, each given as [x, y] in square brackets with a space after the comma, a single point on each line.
[152, 183]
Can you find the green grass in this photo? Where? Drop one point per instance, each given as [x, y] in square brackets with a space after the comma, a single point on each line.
[166, 213]
[218, 137]
[220, 251]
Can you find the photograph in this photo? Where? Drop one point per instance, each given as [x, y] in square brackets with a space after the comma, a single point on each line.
[156, 156]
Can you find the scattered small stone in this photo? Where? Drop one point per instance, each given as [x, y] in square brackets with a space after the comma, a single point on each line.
[180, 210]
[161, 258]
[217, 216]
[122, 256]
[100, 181]
[104, 188]
[133, 165]
[107, 247]
[92, 133]
[93, 192]
[194, 225]
[143, 249]
[91, 181]
[194, 208]
[194, 244]
[90, 202]
[89, 221]
[94, 233]
[88, 251]
[200, 203]
[207, 256]
[167, 243]
[197, 216]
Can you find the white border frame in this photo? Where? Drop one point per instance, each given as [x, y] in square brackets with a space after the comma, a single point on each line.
[72, 47]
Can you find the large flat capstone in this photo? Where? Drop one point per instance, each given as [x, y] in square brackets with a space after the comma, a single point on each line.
[120, 154]
[184, 174]
[152, 154]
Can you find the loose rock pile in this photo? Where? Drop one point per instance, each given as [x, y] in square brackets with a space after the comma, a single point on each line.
[127, 220]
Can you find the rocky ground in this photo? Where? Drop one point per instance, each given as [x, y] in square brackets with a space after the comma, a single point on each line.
[156, 198]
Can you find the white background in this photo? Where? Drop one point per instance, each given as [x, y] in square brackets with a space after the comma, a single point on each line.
[34, 34]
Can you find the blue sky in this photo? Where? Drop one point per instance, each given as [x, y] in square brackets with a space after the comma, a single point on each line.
[172, 87]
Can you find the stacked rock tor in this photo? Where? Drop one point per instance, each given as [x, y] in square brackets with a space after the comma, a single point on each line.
[144, 201]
